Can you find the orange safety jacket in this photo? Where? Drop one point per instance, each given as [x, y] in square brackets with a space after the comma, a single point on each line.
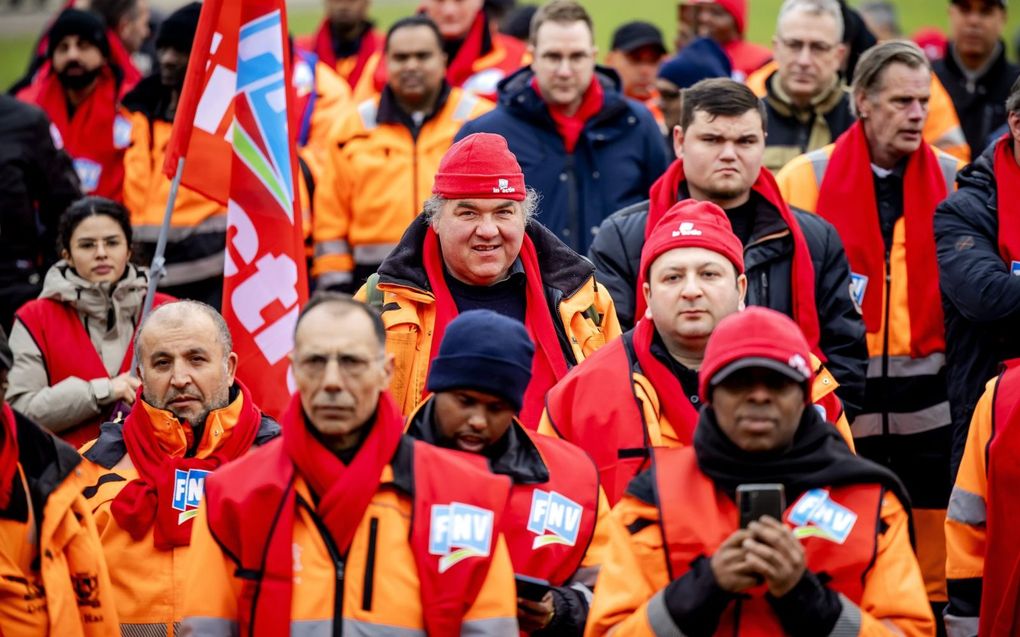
[356, 70]
[57, 330]
[149, 583]
[53, 578]
[376, 176]
[609, 408]
[855, 535]
[375, 588]
[908, 426]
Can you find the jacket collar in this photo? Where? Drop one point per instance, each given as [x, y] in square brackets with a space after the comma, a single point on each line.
[46, 461]
[517, 95]
[391, 113]
[992, 68]
[520, 460]
[149, 97]
[560, 267]
[822, 104]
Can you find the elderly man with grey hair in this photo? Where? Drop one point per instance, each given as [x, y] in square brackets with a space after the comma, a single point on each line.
[807, 103]
[149, 470]
[475, 247]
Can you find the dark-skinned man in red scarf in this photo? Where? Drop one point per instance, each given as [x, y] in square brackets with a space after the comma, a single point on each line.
[53, 578]
[830, 554]
[879, 185]
[345, 524]
[641, 390]
[978, 233]
[475, 246]
[795, 260]
[191, 417]
[80, 90]
[555, 518]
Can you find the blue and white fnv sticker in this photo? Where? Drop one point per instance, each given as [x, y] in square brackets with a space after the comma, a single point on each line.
[459, 531]
[1014, 268]
[858, 286]
[554, 518]
[817, 515]
[89, 173]
[188, 489]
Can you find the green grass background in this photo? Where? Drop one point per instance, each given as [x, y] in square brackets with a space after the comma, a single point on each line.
[607, 14]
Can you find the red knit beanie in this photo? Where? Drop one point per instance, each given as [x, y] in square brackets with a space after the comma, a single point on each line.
[480, 166]
[736, 8]
[755, 337]
[692, 224]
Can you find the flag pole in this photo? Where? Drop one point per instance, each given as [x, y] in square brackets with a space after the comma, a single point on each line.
[158, 269]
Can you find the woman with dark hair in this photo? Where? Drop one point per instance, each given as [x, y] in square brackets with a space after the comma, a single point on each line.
[73, 345]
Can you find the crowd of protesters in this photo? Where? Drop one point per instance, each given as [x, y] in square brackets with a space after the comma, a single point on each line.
[697, 338]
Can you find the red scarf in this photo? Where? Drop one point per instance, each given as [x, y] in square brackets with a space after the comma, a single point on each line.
[1007, 180]
[675, 406]
[462, 66]
[148, 500]
[570, 126]
[344, 491]
[847, 200]
[663, 195]
[8, 454]
[89, 134]
[323, 47]
[548, 365]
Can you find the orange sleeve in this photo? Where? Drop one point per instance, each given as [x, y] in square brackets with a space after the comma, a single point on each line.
[138, 167]
[211, 591]
[333, 262]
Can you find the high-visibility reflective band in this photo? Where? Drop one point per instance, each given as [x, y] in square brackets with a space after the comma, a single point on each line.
[191, 271]
[658, 618]
[464, 107]
[903, 424]
[966, 508]
[961, 626]
[202, 627]
[324, 628]
[336, 246]
[493, 626]
[149, 630]
[330, 279]
[906, 367]
[150, 234]
[369, 112]
[372, 252]
[849, 622]
[819, 162]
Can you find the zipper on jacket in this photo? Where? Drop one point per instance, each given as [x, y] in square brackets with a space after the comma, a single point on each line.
[338, 569]
[414, 173]
[885, 351]
[366, 594]
[765, 289]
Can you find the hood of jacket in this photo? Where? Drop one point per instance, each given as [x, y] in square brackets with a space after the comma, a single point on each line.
[516, 94]
[561, 268]
[107, 303]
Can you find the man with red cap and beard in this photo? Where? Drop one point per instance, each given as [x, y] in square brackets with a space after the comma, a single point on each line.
[641, 390]
[80, 89]
[475, 246]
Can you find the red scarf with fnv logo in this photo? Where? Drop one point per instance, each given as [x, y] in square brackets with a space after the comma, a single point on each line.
[847, 200]
[156, 497]
[1007, 180]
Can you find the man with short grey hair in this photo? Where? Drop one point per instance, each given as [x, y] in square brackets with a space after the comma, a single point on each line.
[474, 248]
[807, 102]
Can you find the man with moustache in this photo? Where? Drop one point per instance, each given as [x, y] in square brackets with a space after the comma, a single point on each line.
[80, 89]
[192, 416]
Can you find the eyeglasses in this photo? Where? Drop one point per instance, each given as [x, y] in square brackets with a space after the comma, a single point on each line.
[815, 47]
[350, 366]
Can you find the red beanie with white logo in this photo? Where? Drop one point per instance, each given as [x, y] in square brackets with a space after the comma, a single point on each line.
[480, 166]
[755, 337]
[692, 224]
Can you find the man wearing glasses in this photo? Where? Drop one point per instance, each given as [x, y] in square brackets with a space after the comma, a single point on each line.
[806, 100]
[584, 147]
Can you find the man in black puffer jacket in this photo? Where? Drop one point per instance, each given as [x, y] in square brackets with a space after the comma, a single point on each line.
[721, 140]
[977, 234]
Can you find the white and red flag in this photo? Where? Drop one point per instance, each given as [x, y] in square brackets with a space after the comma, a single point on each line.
[232, 129]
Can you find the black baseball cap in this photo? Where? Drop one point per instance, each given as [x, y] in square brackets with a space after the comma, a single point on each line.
[1001, 3]
[635, 35]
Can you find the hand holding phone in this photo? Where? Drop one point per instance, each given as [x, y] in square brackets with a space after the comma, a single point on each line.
[757, 500]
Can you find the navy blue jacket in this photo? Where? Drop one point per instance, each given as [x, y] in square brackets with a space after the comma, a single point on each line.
[619, 155]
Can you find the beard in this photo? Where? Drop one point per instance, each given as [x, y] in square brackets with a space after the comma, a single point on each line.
[77, 81]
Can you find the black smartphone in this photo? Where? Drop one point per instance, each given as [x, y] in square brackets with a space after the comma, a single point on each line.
[757, 500]
[531, 588]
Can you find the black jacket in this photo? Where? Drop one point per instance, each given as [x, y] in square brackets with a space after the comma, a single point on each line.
[616, 253]
[980, 298]
[37, 184]
[981, 108]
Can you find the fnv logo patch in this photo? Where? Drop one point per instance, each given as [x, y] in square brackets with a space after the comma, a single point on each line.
[503, 186]
[188, 489]
[687, 229]
[817, 515]
[858, 286]
[1014, 268]
[89, 173]
[458, 531]
[554, 518]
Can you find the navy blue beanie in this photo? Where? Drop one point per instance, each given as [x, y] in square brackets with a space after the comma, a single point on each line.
[486, 352]
[84, 24]
[700, 60]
